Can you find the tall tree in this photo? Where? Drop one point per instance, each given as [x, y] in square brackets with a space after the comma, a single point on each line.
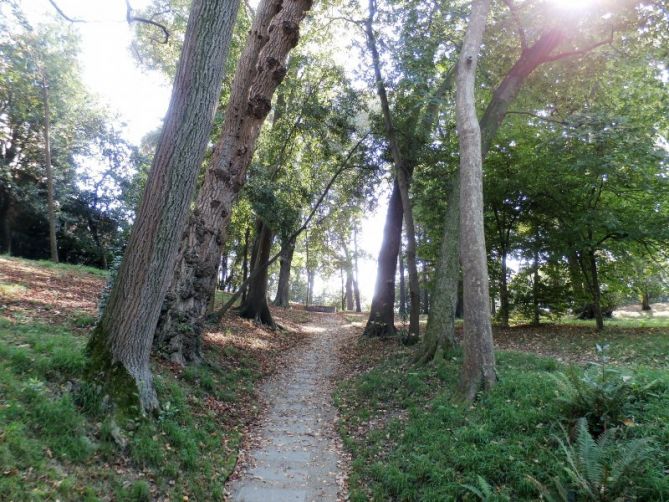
[478, 366]
[261, 68]
[120, 345]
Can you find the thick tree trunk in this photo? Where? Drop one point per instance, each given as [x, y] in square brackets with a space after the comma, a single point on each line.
[120, 345]
[645, 301]
[282, 298]
[51, 205]
[381, 320]
[255, 307]
[440, 333]
[261, 68]
[402, 176]
[504, 291]
[478, 368]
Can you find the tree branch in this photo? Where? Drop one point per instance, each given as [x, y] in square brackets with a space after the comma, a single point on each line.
[578, 52]
[519, 26]
[63, 15]
[136, 19]
[218, 315]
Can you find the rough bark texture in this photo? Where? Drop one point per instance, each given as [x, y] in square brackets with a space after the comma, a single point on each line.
[403, 178]
[255, 307]
[478, 368]
[51, 205]
[381, 320]
[440, 334]
[261, 68]
[121, 342]
[282, 298]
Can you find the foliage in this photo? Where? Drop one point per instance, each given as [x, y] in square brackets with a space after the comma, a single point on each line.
[411, 441]
[601, 394]
[605, 469]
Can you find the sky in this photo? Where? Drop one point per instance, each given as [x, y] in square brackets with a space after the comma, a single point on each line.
[141, 98]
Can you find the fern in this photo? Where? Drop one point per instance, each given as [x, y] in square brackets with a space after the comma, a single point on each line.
[597, 470]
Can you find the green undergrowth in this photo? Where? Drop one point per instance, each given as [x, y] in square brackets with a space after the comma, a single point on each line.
[58, 443]
[411, 439]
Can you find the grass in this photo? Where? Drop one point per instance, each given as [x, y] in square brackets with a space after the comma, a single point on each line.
[411, 439]
[57, 441]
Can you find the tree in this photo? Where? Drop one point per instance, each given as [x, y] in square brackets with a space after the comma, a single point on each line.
[120, 345]
[261, 68]
[478, 366]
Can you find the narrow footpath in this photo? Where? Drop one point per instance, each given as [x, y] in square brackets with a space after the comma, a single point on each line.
[293, 454]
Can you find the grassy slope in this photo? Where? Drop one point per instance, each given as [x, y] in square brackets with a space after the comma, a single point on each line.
[410, 440]
[56, 443]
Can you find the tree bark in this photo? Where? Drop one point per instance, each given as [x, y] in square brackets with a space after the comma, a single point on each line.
[440, 333]
[381, 320]
[120, 345]
[282, 298]
[51, 205]
[478, 368]
[261, 68]
[403, 177]
[255, 307]
[349, 287]
[645, 301]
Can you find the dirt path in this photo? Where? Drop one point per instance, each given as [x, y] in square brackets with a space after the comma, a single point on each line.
[293, 454]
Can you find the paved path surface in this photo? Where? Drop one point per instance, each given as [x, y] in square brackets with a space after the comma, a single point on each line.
[294, 451]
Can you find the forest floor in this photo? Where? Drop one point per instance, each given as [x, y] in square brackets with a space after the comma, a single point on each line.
[269, 395]
[57, 444]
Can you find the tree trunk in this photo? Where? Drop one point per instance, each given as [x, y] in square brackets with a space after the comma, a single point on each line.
[535, 290]
[381, 320]
[261, 68]
[7, 228]
[120, 345]
[576, 278]
[349, 288]
[440, 333]
[402, 176]
[403, 289]
[596, 291]
[255, 307]
[51, 206]
[645, 301]
[282, 298]
[504, 291]
[478, 368]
